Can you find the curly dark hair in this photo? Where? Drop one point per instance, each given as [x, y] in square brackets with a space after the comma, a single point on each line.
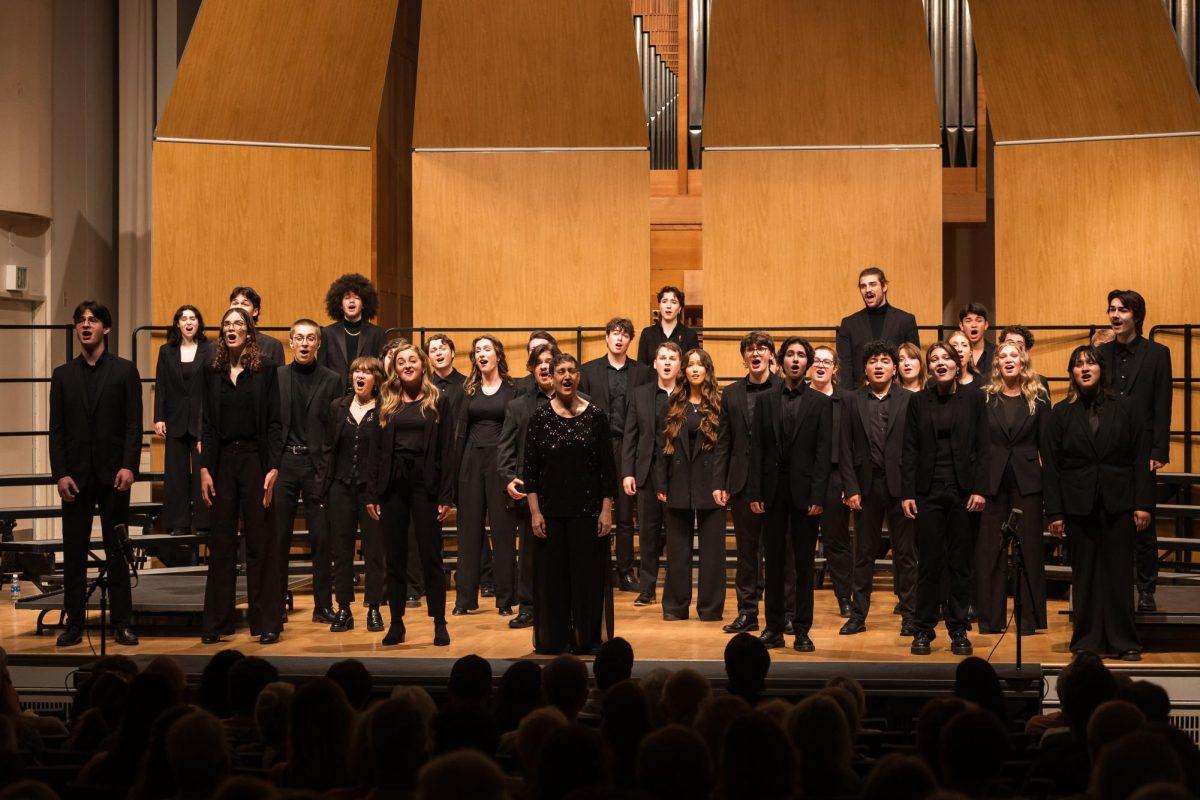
[252, 358]
[358, 284]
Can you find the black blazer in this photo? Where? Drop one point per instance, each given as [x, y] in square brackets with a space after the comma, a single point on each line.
[94, 438]
[510, 452]
[332, 354]
[731, 466]
[593, 380]
[1025, 449]
[652, 336]
[1149, 389]
[1109, 470]
[808, 451]
[336, 412]
[265, 384]
[643, 418]
[854, 458]
[327, 387]
[855, 331]
[271, 349]
[684, 476]
[968, 442]
[438, 465]
[180, 406]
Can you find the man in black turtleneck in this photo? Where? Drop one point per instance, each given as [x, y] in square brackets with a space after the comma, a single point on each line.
[351, 303]
[877, 321]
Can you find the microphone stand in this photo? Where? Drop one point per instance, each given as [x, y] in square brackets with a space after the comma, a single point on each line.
[1011, 545]
[100, 582]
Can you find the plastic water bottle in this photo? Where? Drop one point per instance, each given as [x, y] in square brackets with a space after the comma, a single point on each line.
[14, 588]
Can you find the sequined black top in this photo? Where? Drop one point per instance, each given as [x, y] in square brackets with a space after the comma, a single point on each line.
[569, 462]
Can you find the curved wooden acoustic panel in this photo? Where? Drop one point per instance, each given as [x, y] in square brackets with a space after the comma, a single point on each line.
[819, 72]
[1057, 69]
[532, 73]
[309, 73]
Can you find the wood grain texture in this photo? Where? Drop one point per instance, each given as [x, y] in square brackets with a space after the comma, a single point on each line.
[1071, 68]
[534, 73]
[286, 221]
[266, 71]
[786, 232]
[818, 72]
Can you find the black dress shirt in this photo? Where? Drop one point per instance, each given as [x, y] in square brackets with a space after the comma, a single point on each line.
[90, 379]
[753, 390]
[790, 406]
[353, 447]
[881, 415]
[303, 384]
[618, 389]
[453, 380]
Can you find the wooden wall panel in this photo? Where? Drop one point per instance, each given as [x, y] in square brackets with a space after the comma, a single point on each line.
[266, 71]
[286, 221]
[818, 72]
[786, 233]
[534, 73]
[1074, 68]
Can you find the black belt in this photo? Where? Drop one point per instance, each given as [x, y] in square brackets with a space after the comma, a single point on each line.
[296, 449]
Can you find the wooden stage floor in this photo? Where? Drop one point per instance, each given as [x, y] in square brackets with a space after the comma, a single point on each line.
[485, 633]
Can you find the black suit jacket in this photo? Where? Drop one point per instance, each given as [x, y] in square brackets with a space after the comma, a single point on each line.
[652, 336]
[510, 452]
[1149, 389]
[265, 385]
[731, 466]
[854, 458]
[593, 380]
[332, 354]
[968, 442]
[326, 387]
[855, 331]
[1109, 470]
[271, 349]
[685, 476]
[1024, 449]
[643, 419]
[808, 451]
[438, 466]
[91, 439]
[180, 406]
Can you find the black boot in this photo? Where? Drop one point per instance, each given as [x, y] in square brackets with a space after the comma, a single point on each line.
[441, 636]
[395, 634]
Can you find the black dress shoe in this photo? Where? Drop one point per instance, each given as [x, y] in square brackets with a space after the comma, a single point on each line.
[852, 627]
[72, 636]
[626, 583]
[803, 644]
[672, 617]
[374, 619]
[744, 622]
[844, 609]
[324, 614]
[522, 620]
[645, 599]
[395, 634]
[413, 600]
[342, 621]
[460, 611]
[505, 611]
[210, 638]
[268, 637]
[125, 635]
[1131, 655]
[908, 628]
[441, 636]
[960, 645]
[1146, 604]
[488, 591]
[771, 639]
[921, 643]
[788, 627]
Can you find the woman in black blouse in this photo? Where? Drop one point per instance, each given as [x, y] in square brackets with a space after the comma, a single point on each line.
[411, 482]
[178, 401]
[481, 491]
[569, 477]
[350, 443]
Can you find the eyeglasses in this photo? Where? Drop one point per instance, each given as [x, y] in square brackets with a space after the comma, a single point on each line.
[310, 339]
[822, 362]
[234, 323]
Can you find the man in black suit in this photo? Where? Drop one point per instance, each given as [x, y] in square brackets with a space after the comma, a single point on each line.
[877, 321]
[351, 303]
[1140, 369]
[247, 299]
[789, 471]
[306, 391]
[873, 421]
[639, 446]
[669, 327]
[607, 381]
[738, 403]
[440, 349]
[973, 322]
[95, 446]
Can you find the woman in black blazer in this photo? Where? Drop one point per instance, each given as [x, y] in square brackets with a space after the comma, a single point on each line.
[683, 473]
[412, 483]
[1098, 492]
[1018, 435]
[242, 439]
[178, 408]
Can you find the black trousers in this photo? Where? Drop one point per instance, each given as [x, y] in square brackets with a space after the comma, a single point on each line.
[1101, 547]
[623, 509]
[239, 488]
[749, 580]
[878, 505]
[786, 524]
[651, 537]
[992, 584]
[297, 480]
[407, 502]
[524, 559]
[709, 525]
[944, 545]
[183, 507]
[572, 596]
[835, 534]
[481, 496]
[346, 513]
[77, 535]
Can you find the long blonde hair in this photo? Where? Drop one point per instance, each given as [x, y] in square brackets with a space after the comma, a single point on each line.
[391, 394]
[1031, 388]
[710, 405]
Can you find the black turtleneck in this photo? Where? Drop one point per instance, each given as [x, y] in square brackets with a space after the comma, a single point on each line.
[303, 382]
[350, 331]
[876, 316]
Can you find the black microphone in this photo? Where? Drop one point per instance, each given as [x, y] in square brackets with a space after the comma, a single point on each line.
[122, 532]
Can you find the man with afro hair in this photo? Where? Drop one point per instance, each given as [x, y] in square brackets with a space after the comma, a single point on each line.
[351, 303]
